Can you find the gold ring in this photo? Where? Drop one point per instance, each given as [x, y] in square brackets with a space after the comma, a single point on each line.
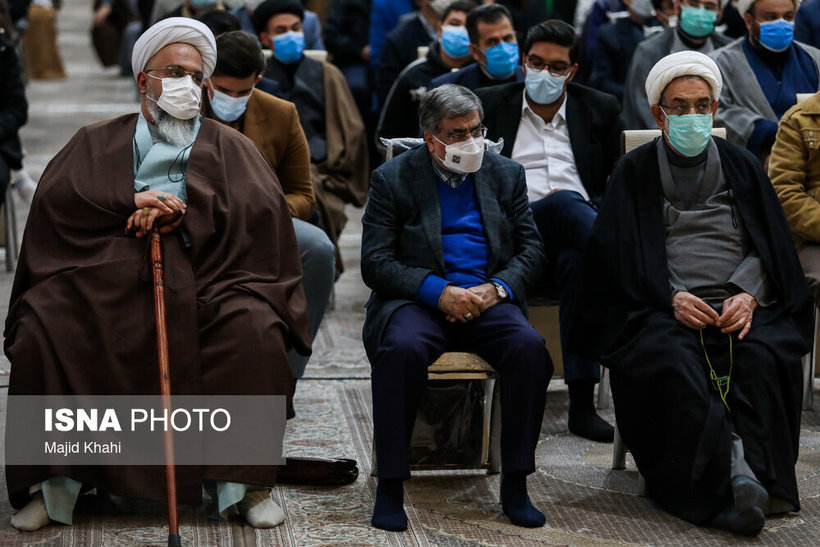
[468, 316]
[146, 211]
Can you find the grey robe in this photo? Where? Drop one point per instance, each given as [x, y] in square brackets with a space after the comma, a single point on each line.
[636, 114]
[742, 101]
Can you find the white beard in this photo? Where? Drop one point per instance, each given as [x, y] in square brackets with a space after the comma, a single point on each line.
[179, 133]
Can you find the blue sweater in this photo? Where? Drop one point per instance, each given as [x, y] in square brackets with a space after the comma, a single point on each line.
[463, 242]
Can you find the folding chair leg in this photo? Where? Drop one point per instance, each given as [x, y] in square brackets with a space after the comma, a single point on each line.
[809, 370]
[494, 459]
[618, 451]
[603, 389]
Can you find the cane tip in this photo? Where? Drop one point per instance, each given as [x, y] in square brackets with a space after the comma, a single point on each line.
[174, 541]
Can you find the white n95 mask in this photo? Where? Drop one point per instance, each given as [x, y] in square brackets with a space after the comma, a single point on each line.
[463, 157]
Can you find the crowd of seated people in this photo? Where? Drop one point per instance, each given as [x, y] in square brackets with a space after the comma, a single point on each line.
[668, 263]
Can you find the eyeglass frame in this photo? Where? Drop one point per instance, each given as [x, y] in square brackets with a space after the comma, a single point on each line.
[548, 66]
[194, 74]
[702, 4]
[479, 131]
[689, 107]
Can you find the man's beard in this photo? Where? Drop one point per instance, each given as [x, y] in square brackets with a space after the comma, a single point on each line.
[179, 133]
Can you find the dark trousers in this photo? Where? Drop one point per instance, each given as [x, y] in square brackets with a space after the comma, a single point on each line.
[564, 220]
[416, 336]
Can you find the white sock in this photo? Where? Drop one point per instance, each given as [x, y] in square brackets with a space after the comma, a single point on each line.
[33, 516]
[260, 510]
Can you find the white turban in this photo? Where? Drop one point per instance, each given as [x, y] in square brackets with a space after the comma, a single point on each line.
[744, 5]
[172, 31]
[683, 63]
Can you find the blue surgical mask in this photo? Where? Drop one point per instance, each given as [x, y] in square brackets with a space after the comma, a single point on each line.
[202, 4]
[502, 59]
[228, 108]
[689, 134]
[777, 35]
[543, 87]
[697, 22]
[288, 46]
[454, 41]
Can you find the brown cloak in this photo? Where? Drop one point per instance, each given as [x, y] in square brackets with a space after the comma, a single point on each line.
[81, 317]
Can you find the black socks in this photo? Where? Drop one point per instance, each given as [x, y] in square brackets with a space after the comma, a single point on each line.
[583, 420]
[516, 502]
[388, 514]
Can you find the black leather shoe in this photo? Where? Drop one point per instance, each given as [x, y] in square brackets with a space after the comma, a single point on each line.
[744, 523]
[749, 493]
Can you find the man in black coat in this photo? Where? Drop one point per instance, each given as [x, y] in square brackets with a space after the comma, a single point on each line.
[567, 138]
[13, 112]
[400, 46]
[692, 280]
[400, 114]
[493, 45]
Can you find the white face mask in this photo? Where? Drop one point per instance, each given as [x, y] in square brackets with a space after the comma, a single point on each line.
[440, 6]
[228, 108]
[463, 157]
[180, 97]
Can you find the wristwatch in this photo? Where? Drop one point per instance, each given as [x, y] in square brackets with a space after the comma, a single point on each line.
[502, 292]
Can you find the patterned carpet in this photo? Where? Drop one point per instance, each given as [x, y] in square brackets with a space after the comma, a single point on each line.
[585, 502]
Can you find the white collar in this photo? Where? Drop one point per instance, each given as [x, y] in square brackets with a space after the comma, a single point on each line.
[560, 116]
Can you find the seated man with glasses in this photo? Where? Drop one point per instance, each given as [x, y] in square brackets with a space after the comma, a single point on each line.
[695, 32]
[449, 250]
[693, 282]
[763, 73]
[567, 138]
[81, 319]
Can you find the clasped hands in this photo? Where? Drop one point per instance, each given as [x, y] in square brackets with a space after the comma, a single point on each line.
[467, 304]
[166, 209]
[738, 311]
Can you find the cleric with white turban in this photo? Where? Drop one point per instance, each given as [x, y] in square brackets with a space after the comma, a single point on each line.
[171, 31]
[689, 270]
[677, 65]
[744, 5]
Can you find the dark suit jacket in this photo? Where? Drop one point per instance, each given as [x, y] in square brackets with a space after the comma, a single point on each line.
[401, 235]
[594, 128]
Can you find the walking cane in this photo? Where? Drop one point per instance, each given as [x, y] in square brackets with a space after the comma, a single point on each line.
[165, 387]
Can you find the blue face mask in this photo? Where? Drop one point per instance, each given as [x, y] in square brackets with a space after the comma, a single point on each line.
[502, 59]
[288, 47]
[228, 108]
[777, 35]
[202, 4]
[543, 87]
[689, 134]
[697, 22]
[454, 41]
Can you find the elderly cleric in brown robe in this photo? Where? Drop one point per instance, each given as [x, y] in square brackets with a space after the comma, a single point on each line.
[703, 311]
[81, 318]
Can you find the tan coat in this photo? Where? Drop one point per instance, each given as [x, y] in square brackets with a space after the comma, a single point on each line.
[794, 168]
[273, 125]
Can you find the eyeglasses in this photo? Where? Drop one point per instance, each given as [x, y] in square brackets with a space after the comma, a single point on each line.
[559, 68]
[176, 71]
[709, 6]
[460, 135]
[681, 109]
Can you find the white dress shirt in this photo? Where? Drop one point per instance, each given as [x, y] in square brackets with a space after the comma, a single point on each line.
[546, 153]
